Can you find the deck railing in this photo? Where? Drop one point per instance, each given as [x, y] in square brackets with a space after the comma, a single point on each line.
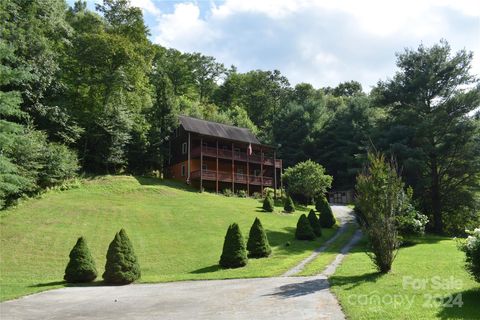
[224, 176]
[237, 155]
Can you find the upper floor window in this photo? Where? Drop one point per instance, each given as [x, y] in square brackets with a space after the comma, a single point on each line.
[184, 148]
[183, 170]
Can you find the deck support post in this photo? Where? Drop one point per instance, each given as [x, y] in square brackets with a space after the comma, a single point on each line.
[201, 164]
[248, 174]
[233, 169]
[216, 172]
[188, 160]
[274, 175]
[261, 170]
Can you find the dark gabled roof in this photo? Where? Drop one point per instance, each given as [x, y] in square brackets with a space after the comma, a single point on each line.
[218, 130]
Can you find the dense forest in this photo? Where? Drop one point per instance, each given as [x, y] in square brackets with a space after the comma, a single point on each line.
[87, 91]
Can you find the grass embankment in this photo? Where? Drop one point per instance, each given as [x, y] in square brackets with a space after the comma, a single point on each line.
[328, 256]
[427, 282]
[177, 233]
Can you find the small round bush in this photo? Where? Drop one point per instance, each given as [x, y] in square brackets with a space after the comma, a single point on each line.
[81, 267]
[268, 204]
[257, 245]
[289, 206]
[314, 223]
[327, 220]
[122, 266]
[304, 229]
[234, 254]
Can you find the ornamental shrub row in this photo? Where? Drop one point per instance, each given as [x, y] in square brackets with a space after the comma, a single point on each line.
[121, 267]
[234, 253]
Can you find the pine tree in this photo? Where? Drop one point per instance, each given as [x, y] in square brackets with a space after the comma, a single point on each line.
[122, 266]
[81, 267]
[314, 223]
[234, 254]
[289, 206]
[304, 230]
[257, 244]
[327, 220]
[268, 204]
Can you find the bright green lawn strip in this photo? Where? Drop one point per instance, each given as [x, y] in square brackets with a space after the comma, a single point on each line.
[326, 257]
[359, 287]
[177, 233]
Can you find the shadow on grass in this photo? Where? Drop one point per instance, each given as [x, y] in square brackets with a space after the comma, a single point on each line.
[300, 289]
[351, 282]
[66, 284]
[151, 181]
[469, 309]
[212, 268]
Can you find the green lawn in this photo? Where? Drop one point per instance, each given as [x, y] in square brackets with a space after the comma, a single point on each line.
[177, 233]
[325, 258]
[427, 282]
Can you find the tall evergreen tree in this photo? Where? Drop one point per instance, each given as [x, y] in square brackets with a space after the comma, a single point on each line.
[81, 267]
[122, 265]
[431, 132]
[257, 244]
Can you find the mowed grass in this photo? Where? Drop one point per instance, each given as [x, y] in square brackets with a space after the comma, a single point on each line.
[177, 233]
[427, 282]
[328, 256]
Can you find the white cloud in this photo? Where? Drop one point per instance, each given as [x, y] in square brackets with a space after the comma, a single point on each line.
[321, 42]
[147, 6]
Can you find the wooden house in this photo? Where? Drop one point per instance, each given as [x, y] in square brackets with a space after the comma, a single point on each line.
[214, 156]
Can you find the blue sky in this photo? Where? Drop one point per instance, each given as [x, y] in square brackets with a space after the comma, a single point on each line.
[321, 42]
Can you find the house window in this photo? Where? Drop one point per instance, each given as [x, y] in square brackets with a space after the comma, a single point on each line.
[256, 172]
[204, 167]
[183, 170]
[239, 170]
[184, 148]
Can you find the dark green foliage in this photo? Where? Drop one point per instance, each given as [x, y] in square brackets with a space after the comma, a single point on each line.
[81, 267]
[122, 266]
[234, 254]
[289, 206]
[315, 223]
[257, 244]
[304, 229]
[268, 204]
[327, 220]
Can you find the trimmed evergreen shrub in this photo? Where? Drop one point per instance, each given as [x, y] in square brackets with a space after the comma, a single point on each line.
[304, 229]
[81, 267]
[234, 254]
[122, 266]
[289, 206]
[268, 204]
[257, 244]
[314, 223]
[327, 220]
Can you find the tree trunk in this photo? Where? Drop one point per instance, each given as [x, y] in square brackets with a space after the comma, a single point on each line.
[435, 196]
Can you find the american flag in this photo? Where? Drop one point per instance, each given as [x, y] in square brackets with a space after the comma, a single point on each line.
[249, 149]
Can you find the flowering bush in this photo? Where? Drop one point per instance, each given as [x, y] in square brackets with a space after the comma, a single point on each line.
[471, 247]
[409, 220]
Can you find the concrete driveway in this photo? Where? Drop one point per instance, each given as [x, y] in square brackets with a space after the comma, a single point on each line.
[261, 298]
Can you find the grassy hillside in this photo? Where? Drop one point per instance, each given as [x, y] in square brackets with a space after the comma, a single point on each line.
[177, 233]
[427, 282]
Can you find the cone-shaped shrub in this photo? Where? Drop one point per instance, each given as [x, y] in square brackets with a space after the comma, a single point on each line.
[327, 220]
[304, 229]
[314, 223]
[122, 266]
[257, 245]
[234, 254]
[289, 206]
[268, 204]
[81, 267]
